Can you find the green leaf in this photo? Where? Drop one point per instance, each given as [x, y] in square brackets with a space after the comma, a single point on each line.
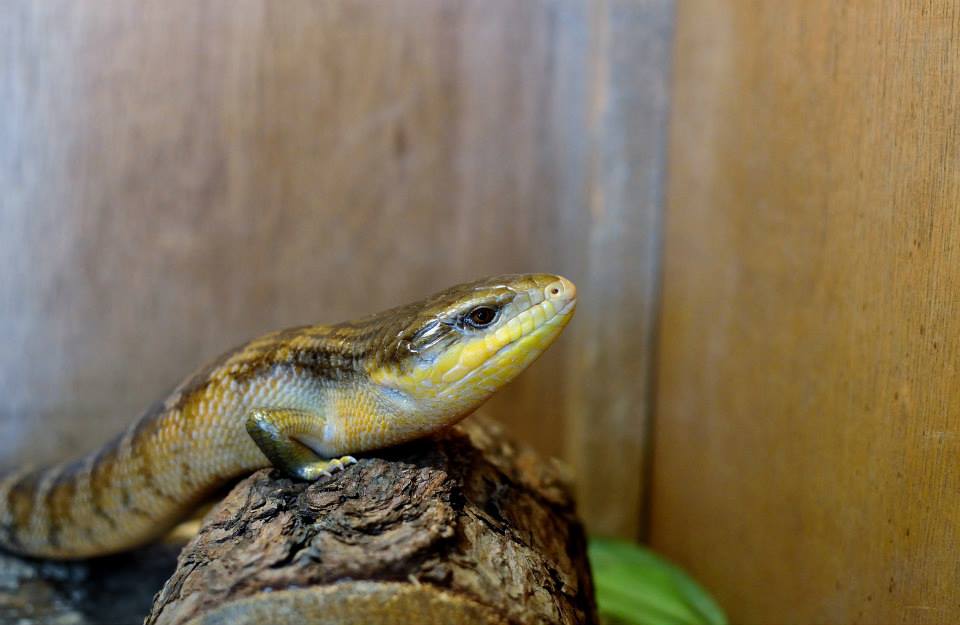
[637, 587]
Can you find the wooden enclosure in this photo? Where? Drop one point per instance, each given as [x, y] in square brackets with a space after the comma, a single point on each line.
[807, 455]
[180, 176]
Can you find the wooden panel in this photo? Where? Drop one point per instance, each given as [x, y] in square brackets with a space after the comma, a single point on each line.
[808, 412]
[179, 176]
[609, 389]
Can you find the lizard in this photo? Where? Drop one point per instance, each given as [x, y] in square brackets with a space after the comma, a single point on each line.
[301, 400]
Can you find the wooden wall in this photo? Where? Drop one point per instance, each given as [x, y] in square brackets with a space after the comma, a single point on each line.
[179, 176]
[807, 446]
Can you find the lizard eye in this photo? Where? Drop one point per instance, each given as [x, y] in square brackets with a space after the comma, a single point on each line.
[482, 316]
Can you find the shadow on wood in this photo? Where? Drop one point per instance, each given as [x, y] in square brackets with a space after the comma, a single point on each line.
[463, 528]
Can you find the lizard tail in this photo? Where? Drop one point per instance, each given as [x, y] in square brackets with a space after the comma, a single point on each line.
[124, 495]
[79, 509]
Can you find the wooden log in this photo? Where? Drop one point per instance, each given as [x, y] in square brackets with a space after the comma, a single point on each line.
[465, 527]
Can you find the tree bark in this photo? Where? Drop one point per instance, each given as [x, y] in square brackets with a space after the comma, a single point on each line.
[461, 528]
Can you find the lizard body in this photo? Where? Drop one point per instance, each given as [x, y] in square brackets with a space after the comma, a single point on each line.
[297, 399]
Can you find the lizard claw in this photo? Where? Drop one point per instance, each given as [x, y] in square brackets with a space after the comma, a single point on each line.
[339, 464]
[327, 468]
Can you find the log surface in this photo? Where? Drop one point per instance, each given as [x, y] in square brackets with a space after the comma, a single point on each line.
[464, 525]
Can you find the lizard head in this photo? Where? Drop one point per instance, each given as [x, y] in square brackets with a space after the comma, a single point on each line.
[449, 352]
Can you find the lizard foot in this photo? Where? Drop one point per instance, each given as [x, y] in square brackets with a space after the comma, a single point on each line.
[326, 468]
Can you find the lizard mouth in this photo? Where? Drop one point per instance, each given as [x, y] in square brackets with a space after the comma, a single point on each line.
[460, 367]
[511, 358]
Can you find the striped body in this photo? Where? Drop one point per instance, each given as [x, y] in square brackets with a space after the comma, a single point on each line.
[371, 383]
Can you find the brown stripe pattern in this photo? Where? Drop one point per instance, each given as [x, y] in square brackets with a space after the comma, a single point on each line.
[141, 483]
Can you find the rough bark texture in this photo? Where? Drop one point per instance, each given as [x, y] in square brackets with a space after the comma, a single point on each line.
[461, 528]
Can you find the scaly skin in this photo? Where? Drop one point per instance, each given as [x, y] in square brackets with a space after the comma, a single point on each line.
[294, 399]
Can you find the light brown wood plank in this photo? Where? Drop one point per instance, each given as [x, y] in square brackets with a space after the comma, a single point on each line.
[180, 176]
[808, 413]
[609, 389]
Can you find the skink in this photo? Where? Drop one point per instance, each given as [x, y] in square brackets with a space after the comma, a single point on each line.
[301, 400]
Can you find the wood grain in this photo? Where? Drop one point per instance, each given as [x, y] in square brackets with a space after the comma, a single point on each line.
[807, 429]
[610, 378]
[180, 176]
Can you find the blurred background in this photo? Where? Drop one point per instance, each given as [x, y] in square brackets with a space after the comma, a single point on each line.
[757, 201]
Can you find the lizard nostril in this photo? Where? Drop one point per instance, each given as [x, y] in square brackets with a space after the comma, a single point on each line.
[560, 289]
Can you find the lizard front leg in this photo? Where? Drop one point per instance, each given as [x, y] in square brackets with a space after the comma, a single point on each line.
[276, 431]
